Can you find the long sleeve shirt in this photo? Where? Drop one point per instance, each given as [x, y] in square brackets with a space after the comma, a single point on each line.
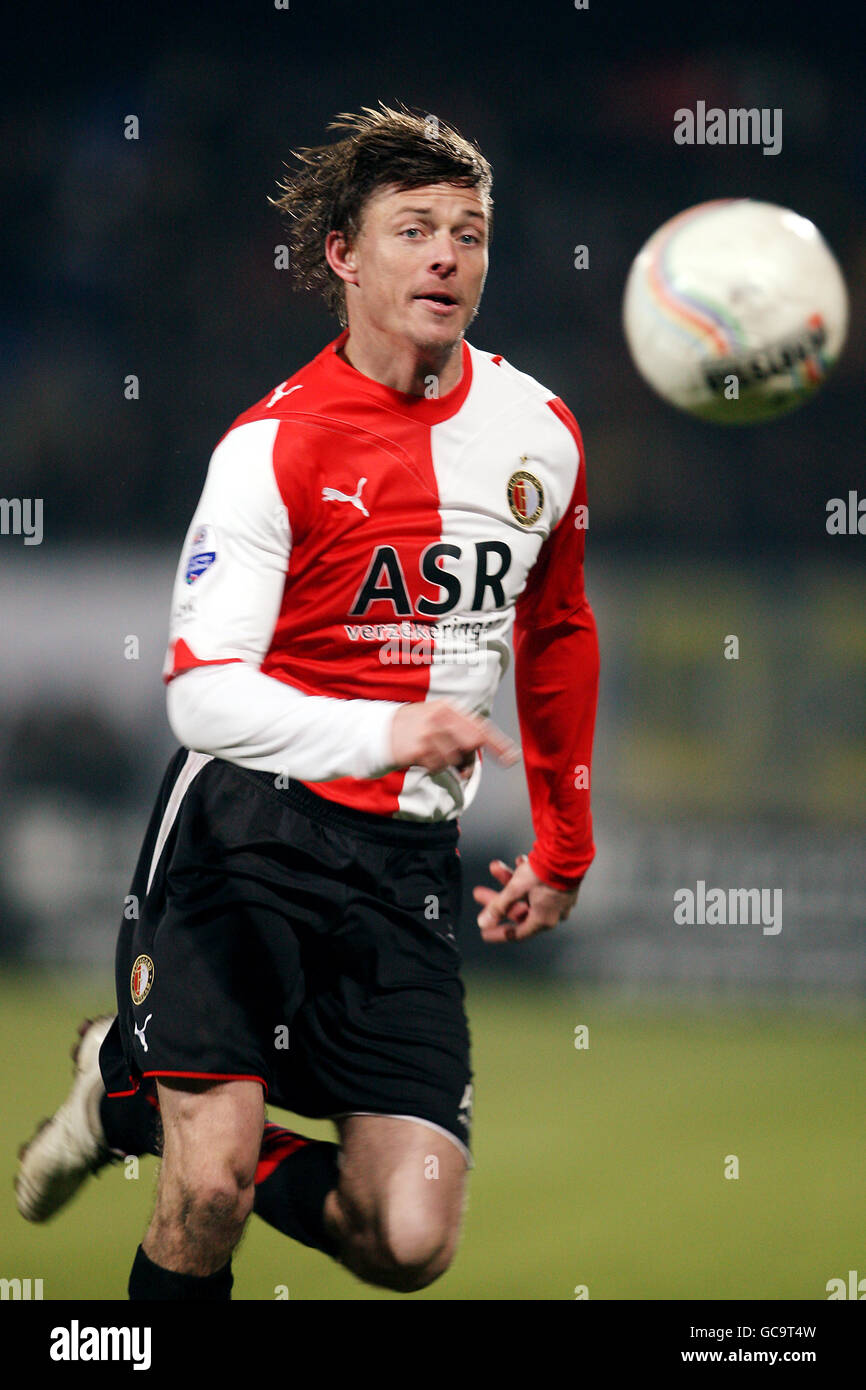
[356, 548]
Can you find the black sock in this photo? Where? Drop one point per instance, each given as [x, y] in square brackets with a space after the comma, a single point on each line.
[150, 1283]
[293, 1179]
[131, 1123]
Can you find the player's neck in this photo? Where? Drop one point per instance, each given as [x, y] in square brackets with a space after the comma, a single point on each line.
[412, 370]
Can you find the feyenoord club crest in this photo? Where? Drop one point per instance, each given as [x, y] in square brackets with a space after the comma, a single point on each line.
[141, 979]
[525, 496]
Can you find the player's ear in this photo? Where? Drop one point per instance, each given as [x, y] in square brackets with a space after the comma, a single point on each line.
[340, 255]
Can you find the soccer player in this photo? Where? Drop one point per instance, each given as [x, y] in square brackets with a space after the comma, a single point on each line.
[366, 538]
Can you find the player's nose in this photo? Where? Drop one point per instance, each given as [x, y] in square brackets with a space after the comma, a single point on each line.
[443, 255]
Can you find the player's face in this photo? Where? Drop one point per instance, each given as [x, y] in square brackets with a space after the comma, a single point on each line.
[420, 262]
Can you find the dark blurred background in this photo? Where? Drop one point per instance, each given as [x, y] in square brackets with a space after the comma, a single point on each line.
[154, 257]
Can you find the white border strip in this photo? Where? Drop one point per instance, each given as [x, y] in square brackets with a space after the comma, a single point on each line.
[416, 1119]
[187, 775]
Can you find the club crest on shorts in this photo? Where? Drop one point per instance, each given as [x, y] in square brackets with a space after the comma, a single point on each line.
[141, 979]
[202, 553]
[525, 496]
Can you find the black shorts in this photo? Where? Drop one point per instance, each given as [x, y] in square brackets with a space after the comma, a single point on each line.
[271, 934]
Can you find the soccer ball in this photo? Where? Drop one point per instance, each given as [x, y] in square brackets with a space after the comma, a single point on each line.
[735, 310]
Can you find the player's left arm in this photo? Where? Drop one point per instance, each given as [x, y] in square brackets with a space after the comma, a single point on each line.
[556, 674]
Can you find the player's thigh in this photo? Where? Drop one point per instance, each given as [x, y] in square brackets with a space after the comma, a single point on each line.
[212, 1130]
[402, 1180]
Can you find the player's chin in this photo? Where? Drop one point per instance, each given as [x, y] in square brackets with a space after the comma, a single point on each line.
[432, 330]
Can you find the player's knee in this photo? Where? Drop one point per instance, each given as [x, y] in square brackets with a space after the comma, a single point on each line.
[217, 1200]
[210, 1192]
[413, 1250]
[394, 1245]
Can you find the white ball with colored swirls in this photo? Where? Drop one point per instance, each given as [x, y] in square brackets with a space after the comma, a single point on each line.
[735, 310]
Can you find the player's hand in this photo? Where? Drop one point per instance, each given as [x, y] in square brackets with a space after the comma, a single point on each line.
[523, 907]
[436, 734]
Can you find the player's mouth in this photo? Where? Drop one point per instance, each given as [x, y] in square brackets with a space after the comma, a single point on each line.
[439, 302]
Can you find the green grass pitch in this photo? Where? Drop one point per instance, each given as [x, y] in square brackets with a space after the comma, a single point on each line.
[601, 1166]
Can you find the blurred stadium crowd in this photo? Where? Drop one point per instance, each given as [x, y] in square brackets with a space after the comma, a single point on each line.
[154, 258]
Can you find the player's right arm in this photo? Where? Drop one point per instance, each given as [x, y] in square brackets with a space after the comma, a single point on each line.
[227, 597]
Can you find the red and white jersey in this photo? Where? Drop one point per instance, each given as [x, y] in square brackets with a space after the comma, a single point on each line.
[356, 548]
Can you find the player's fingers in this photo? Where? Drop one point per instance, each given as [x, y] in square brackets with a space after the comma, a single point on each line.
[499, 906]
[441, 735]
[447, 749]
[509, 932]
[484, 896]
[453, 737]
[472, 733]
[529, 925]
[499, 869]
[504, 748]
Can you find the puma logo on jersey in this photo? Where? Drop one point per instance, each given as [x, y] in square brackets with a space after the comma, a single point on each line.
[279, 393]
[333, 494]
[139, 1032]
